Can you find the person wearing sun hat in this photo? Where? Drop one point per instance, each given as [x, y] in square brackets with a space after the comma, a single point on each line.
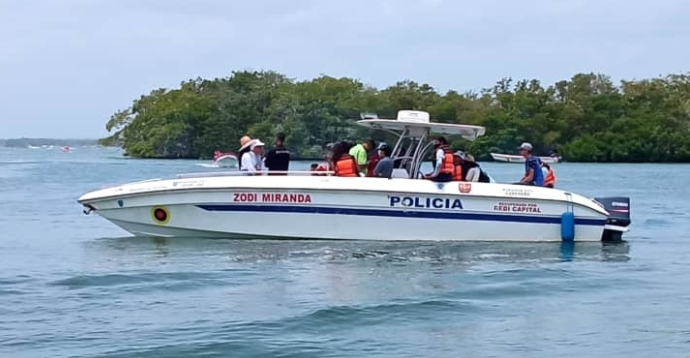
[252, 161]
[245, 142]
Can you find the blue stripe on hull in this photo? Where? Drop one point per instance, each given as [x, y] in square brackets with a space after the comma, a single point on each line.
[396, 213]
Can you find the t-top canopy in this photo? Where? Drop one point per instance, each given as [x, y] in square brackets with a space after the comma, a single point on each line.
[418, 123]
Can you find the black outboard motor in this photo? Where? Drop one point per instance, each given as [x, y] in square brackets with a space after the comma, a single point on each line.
[619, 217]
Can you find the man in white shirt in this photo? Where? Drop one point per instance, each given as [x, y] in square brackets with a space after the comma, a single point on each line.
[252, 161]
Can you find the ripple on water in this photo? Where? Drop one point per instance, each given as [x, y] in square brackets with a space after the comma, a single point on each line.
[654, 222]
[145, 282]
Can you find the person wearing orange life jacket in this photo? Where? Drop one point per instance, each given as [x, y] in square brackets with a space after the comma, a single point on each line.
[344, 164]
[458, 159]
[444, 170]
[549, 176]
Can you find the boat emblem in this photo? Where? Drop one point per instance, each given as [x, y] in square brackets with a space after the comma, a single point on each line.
[465, 187]
[160, 215]
[439, 185]
[120, 203]
[174, 184]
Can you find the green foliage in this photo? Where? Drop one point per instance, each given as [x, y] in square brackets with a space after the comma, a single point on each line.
[587, 118]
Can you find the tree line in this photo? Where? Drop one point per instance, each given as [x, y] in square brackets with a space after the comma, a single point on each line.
[587, 118]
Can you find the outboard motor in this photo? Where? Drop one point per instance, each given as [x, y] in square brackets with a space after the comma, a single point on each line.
[619, 217]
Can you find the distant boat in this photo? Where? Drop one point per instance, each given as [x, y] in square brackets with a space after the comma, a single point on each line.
[33, 147]
[225, 160]
[508, 158]
[65, 149]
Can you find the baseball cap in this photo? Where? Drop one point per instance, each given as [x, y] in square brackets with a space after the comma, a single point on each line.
[382, 145]
[525, 146]
[460, 154]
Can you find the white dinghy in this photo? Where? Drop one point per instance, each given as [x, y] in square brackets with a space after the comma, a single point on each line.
[509, 158]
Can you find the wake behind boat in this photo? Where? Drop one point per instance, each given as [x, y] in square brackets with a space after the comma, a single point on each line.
[508, 158]
[328, 207]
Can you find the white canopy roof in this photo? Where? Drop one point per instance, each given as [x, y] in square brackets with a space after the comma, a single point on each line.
[418, 121]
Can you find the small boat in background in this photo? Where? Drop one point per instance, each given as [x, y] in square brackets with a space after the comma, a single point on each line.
[225, 160]
[508, 158]
[65, 149]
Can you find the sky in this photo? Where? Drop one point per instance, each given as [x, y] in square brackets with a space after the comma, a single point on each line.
[67, 65]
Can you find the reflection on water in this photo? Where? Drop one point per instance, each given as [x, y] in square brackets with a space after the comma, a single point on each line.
[344, 251]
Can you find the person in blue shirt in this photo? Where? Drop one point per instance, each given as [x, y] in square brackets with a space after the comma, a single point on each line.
[533, 174]
[384, 167]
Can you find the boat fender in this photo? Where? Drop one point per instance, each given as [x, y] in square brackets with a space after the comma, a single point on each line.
[568, 226]
[568, 222]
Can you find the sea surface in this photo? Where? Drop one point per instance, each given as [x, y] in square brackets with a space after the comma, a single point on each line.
[77, 286]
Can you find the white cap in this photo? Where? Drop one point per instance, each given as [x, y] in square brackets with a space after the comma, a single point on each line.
[526, 146]
[256, 143]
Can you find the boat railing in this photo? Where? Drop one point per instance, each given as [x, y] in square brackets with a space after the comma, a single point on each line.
[134, 182]
[242, 173]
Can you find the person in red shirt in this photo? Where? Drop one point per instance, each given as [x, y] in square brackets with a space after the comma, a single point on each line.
[372, 161]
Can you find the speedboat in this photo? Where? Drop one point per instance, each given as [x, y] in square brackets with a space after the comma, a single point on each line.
[509, 158]
[225, 160]
[406, 207]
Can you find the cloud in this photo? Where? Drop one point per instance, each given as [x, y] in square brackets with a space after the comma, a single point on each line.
[67, 65]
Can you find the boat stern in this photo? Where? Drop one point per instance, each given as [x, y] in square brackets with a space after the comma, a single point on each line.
[618, 220]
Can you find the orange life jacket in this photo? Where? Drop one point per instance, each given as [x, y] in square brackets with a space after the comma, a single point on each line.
[550, 178]
[346, 166]
[457, 173]
[447, 165]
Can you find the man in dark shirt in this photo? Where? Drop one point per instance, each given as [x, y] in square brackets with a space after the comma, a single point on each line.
[278, 158]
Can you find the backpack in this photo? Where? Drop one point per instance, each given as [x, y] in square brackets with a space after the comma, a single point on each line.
[483, 177]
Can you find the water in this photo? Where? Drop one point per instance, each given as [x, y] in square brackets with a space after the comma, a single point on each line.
[77, 286]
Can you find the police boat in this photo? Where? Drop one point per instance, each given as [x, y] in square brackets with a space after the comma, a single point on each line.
[406, 207]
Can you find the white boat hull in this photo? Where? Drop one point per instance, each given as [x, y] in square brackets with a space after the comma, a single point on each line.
[295, 207]
[507, 158]
[226, 161]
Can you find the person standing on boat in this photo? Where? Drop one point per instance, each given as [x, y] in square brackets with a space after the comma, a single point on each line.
[533, 174]
[384, 166]
[359, 152]
[444, 163]
[252, 161]
[245, 142]
[344, 164]
[373, 160]
[278, 158]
